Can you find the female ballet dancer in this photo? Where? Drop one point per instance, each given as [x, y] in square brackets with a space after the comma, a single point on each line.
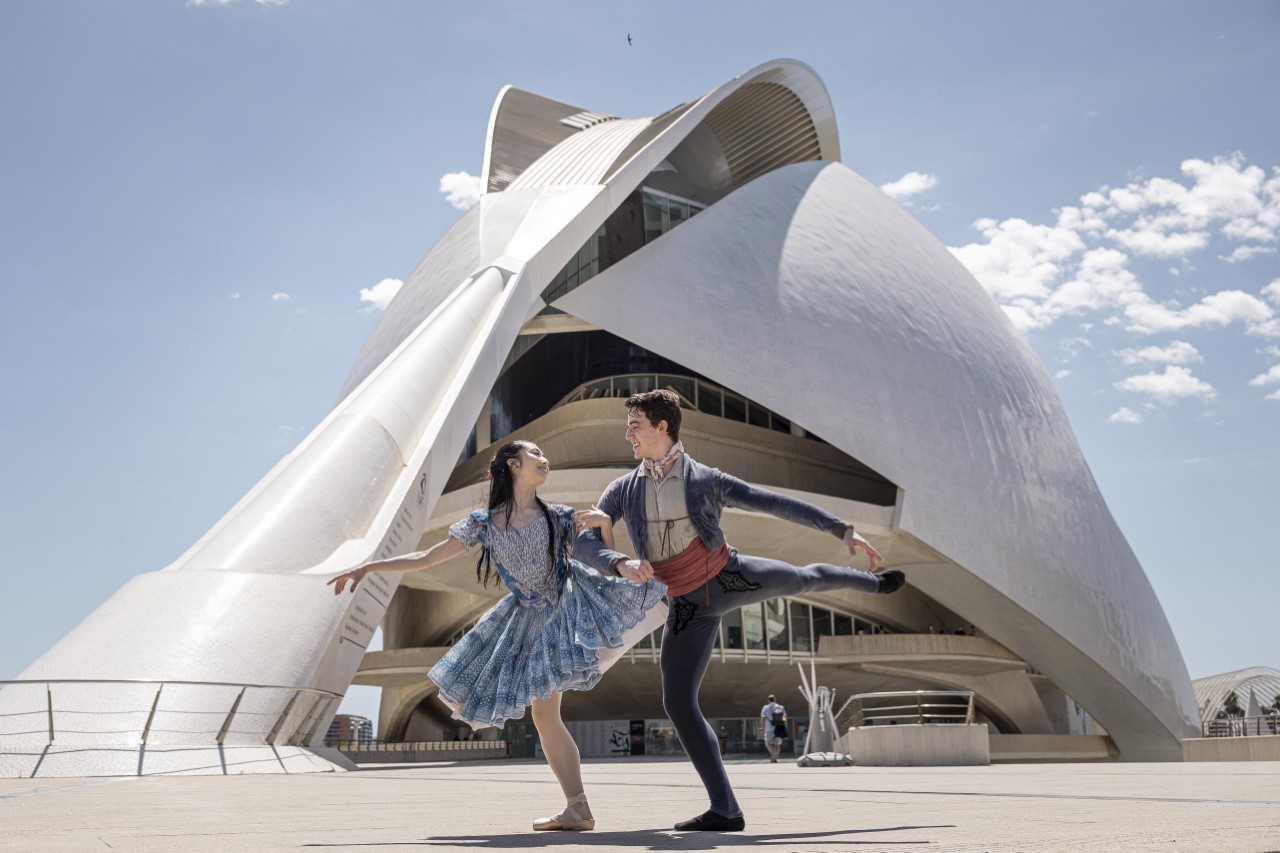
[560, 626]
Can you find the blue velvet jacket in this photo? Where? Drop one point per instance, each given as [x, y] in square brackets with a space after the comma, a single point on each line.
[707, 492]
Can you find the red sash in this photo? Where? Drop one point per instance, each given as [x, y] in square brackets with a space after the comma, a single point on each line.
[691, 568]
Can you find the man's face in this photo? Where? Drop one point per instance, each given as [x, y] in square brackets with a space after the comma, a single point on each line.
[647, 441]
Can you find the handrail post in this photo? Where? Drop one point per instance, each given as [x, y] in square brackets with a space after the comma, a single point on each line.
[155, 704]
[226, 724]
[48, 689]
[919, 710]
[311, 733]
[275, 730]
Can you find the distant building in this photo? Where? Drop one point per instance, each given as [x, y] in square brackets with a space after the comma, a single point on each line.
[349, 727]
[1212, 691]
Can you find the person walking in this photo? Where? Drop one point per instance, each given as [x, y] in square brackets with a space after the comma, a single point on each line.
[773, 726]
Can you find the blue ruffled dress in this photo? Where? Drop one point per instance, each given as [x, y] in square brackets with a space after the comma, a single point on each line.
[546, 633]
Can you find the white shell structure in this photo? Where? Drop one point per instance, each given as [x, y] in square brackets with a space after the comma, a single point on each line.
[799, 286]
[1212, 691]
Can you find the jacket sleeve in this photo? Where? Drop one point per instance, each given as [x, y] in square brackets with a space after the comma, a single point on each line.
[588, 548]
[737, 493]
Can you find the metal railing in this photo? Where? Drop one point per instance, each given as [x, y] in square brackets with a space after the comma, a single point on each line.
[417, 745]
[321, 703]
[908, 707]
[1268, 724]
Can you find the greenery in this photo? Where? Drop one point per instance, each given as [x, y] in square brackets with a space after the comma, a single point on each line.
[1231, 708]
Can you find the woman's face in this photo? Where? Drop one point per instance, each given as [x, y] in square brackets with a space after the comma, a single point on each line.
[530, 466]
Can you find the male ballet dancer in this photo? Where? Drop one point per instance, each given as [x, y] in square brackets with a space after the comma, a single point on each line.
[672, 506]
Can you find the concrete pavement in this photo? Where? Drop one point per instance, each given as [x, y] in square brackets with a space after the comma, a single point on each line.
[489, 805]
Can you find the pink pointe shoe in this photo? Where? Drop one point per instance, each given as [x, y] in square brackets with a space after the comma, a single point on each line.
[576, 816]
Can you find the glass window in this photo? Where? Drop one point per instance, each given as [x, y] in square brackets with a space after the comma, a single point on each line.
[779, 423]
[677, 212]
[758, 416]
[710, 400]
[653, 213]
[733, 629]
[735, 408]
[626, 386]
[775, 611]
[800, 640]
[680, 384]
[753, 626]
[660, 738]
[822, 626]
[844, 625]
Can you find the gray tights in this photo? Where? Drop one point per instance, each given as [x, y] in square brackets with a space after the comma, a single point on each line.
[690, 634]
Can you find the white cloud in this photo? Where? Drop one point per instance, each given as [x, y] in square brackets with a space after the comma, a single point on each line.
[462, 190]
[1271, 377]
[1271, 292]
[1124, 415]
[235, 295]
[1216, 309]
[1040, 273]
[1178, 352]
[1019, 261]
[380, 295]
[1176, 383]
[1062, 374]
[1274, 395]
[912, 183]
[280, 297]
[1245, 253]
[1155, 243]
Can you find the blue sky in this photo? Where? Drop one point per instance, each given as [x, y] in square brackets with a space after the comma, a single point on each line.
[194, 196]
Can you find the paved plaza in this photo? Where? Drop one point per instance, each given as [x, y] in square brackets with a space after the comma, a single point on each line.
[488, 806]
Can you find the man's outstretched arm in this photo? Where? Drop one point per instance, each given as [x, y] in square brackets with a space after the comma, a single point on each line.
[743, 495]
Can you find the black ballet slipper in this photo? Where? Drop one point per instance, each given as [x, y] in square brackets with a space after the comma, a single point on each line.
[709, 821]
[890, 581]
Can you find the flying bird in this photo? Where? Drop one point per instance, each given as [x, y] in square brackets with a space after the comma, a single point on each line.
[628, 39]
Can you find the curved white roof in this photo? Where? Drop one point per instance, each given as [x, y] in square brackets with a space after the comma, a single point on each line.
[1212, 690]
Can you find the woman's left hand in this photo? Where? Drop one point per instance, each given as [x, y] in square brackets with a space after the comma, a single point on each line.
[584, 519]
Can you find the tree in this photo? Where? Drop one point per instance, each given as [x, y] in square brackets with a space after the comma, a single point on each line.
[1231, 707]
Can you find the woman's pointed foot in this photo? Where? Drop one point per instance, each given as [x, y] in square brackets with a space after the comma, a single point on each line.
[575, 817]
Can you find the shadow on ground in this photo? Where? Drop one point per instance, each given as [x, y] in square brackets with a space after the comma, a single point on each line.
[654, 839]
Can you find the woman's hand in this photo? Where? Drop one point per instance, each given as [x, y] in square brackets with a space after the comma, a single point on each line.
[584, 519]
[356, 575]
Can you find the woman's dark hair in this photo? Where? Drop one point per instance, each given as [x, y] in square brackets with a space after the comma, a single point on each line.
[502, 496]
[657, 406]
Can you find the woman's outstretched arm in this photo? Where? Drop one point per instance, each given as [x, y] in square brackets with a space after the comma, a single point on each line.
[416, 561]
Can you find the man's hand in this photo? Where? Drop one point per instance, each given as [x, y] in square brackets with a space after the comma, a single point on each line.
[854, 541]
[340, 582]
[639, 571]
